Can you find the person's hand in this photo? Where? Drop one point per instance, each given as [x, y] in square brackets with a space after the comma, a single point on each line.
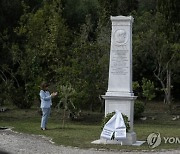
[54, 94]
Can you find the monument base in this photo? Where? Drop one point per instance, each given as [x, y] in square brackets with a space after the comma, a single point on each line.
[125, 104]
[130, 140]
[103, 141]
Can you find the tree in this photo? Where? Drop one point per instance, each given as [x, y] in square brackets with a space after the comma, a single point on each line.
[148, 89]
[151, 41]
[75, 12]
[67, 94]
[170, 11]
[38, 54]
[10, 12]
[118, 7]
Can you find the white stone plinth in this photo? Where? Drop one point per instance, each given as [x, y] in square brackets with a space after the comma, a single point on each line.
[119, 95]
[130, 140]
[125, 104]
[120, 66]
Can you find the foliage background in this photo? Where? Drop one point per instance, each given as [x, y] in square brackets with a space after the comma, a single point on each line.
[68, 42]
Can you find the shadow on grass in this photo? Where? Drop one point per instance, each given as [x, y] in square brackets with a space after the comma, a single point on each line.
[3, 152]
[60, 128]
[90, 118]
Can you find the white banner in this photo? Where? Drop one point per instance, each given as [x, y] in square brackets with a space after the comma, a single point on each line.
[107, 133]
[120, 134]
[115, 126]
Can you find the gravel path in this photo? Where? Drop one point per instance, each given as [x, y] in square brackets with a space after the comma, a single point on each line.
[17, 143]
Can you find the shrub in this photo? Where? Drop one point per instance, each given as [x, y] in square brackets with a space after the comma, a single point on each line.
[110, 115]
[67, 94]
[148, 89]
[138, 109]
[6, 89]
[19, 99]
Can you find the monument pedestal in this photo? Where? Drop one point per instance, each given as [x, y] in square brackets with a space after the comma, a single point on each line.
[125, 104]
[119, 95]
[130, 140]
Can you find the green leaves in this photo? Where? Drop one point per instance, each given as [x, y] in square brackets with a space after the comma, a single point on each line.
[148, 89]
[69, 41]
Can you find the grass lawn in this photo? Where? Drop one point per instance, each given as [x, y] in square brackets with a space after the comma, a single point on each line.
[82, 132]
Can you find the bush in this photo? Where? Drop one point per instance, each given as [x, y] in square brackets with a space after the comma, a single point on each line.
[19, 99]
[6, 90]
[138, 109]
[148, 89]
[67, 95]
[110, 115]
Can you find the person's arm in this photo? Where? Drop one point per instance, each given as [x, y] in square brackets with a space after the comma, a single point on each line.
[43, 96]
[53, 94]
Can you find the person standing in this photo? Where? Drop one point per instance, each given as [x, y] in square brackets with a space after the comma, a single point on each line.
[46, 102]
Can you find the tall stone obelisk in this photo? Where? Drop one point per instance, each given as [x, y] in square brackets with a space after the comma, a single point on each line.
[119, 95]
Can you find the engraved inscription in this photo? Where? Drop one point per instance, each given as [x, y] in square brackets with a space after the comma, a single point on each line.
[119, 62]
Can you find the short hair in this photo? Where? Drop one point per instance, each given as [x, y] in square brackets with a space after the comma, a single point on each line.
[44, 85]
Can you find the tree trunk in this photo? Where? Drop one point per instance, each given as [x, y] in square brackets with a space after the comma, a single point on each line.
[169, 88]
[64, 114]
[166, 87]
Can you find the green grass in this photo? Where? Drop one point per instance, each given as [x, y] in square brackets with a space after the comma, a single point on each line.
[82, 132]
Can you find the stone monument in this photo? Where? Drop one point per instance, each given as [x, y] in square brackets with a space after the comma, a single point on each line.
[119, 95]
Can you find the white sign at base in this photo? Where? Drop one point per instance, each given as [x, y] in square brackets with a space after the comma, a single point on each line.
[107, 133]
[115, 126]
[120, 134]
